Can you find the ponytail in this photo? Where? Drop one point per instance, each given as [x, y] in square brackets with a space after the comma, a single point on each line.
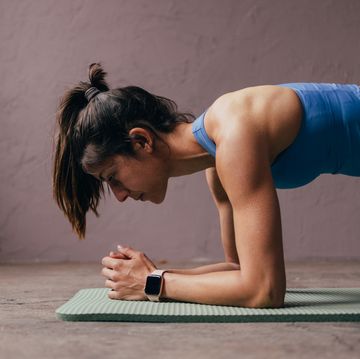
[74, 190]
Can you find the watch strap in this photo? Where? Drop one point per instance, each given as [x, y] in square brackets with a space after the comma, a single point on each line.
[158, 271]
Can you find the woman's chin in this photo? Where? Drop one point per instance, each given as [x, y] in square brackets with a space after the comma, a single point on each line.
[158, 199]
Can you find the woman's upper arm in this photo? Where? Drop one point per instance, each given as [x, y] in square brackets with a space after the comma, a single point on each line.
[217, 191]
[243, 166]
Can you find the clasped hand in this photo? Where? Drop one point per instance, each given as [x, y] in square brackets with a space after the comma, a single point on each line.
[126, 272]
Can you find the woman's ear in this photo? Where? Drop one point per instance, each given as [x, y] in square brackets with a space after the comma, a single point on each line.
[140, 141]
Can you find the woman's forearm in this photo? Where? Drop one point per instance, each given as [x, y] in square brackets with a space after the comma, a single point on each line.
[217, 267]
[221, 288]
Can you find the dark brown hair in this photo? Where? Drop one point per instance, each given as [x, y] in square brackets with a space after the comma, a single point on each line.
[90, 133]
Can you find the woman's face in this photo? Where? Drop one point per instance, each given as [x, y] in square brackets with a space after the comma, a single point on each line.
[145, 177]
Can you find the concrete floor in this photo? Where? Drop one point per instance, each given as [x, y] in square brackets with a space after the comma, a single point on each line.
[30, 293]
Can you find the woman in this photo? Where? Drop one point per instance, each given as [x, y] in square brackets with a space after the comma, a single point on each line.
[249, 141]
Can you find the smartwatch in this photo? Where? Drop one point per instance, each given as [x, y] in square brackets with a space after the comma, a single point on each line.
[154, 285]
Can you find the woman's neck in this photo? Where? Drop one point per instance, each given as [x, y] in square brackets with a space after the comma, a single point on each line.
[186, 155]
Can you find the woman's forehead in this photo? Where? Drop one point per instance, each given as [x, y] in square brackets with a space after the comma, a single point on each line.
[99, 170]
[116, 162]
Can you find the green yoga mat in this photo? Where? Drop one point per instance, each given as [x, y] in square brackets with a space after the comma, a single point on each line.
[301, 305]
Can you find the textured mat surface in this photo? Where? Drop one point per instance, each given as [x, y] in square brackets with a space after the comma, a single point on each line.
[301, 305]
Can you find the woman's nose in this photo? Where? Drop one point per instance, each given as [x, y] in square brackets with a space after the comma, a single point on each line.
[120, 194]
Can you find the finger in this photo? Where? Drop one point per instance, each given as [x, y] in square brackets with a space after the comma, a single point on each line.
[128, 251]
[113, 294]
[108, 273]
[118, 255]
[109, 262]
[110, 284]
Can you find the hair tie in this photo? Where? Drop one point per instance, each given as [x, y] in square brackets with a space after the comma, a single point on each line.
[91, 92]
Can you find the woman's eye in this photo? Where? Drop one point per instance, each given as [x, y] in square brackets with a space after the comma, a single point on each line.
[112, 180]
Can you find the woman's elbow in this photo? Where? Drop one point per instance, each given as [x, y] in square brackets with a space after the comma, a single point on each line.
[271, 300]
[271, 303]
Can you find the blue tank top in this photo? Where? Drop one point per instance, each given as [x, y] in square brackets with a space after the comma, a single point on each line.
[328, 140]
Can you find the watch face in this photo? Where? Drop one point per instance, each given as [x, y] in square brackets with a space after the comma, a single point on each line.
[153, 285]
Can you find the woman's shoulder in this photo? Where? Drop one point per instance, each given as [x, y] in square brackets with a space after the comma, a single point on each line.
[274, 109]
[234, 106]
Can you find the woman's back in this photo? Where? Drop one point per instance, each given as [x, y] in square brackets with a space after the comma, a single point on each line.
[327, 141]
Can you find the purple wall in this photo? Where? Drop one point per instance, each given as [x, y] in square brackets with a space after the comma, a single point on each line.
[192, 52]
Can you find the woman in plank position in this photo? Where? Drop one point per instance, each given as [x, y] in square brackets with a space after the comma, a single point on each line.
[250, 142]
